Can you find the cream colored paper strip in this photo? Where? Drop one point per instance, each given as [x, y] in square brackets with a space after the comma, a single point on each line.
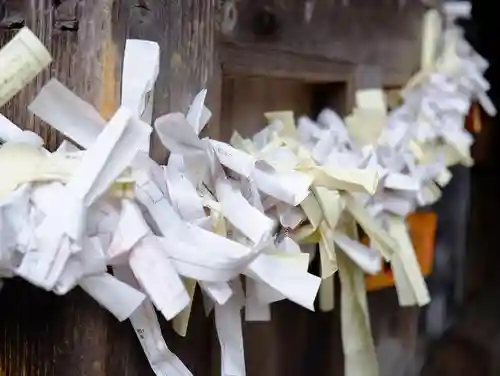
[21, 60]
[357, 340]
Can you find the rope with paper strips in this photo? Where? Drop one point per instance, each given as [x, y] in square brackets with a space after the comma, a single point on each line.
[214, 214]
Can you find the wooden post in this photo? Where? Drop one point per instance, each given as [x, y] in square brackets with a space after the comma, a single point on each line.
[42, 333]
[185, 30]
[71, 335]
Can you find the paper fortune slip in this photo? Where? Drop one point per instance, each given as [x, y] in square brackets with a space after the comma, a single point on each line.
[256, 209]
[21, 60]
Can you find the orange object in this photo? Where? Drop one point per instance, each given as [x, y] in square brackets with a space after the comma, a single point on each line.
[473, 120]
[422, 226]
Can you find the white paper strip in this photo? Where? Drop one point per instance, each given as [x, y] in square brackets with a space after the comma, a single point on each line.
[157, 276]
[117, 297]
[141, 63]
[230, 333]
[66, 112]
[148, 331]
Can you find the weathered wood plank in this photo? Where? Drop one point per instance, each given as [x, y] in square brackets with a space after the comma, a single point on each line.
[186, 33]
[87, 43]
[43, 334]
[238, 60]
[380, 33]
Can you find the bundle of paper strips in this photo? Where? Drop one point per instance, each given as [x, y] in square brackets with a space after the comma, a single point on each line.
[218, 213]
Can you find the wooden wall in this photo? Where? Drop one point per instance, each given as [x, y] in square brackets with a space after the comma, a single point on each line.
[41, 334]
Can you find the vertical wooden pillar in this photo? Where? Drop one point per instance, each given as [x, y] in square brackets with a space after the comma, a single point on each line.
[39, 332]
[71, 335]
[186, 33]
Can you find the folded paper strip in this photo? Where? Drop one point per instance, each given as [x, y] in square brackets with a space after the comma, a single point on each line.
[218, 213]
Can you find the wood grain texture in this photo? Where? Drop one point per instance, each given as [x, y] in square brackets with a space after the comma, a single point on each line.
[364, 32]
[237, 60]
[86, 39]
[11, 14]
[42, 334]
[186, 33]
[245, 99]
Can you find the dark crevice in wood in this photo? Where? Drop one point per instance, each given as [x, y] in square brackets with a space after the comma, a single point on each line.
[265, 23]
[12, 23]
[142, 4]
[66, 15]
[10, 17]
[67, 25]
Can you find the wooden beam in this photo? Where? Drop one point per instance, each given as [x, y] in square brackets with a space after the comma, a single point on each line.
[248, 60]
[363, 32]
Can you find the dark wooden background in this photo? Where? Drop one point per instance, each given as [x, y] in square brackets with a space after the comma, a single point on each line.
[248, 50]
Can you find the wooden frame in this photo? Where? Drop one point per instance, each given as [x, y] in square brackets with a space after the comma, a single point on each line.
[285, 345]
[249, 60]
